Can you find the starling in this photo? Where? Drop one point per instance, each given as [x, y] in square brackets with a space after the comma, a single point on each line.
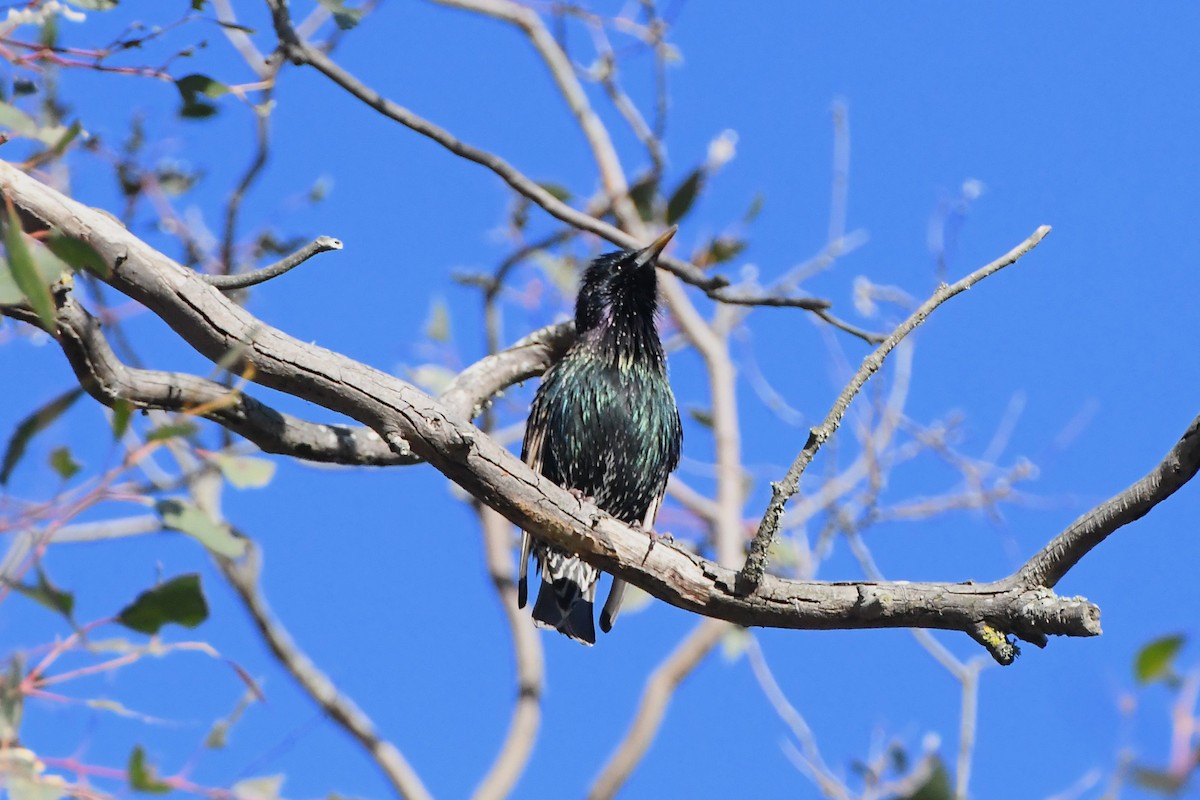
[605, 426]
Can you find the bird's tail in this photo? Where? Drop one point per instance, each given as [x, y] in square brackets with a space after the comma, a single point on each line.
[566, 596]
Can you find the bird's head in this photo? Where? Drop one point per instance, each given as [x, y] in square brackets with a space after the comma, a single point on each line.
[621, 287]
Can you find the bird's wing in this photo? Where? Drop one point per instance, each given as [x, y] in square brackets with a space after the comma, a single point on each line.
[531, 454]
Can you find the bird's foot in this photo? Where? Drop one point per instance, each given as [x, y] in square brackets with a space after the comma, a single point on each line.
[581, 496]
[655, 537]
[583, 499]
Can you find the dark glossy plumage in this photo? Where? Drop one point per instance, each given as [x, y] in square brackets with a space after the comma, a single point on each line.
[604, 423]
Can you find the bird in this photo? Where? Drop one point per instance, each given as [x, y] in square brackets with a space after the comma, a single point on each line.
[603, 425]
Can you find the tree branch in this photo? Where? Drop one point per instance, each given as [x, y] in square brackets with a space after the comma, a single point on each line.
[243, 280]
[108, 380]
[409, 418]
[756, 563]
[514, 754]
[303, 53]
[243, 576]
[660, 688]
[1177, 468]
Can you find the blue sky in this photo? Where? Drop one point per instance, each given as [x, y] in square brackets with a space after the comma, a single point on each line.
[1086, 120]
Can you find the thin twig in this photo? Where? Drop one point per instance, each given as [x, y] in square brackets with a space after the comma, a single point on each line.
[611, 174]
[262, 143]
[809, 752]
[752, 573]
[301, 52]
[242, 280]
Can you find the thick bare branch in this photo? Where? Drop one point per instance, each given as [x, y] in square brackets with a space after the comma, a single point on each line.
[756, 563]
[1177, 468]
[109, 380]
[410, 419]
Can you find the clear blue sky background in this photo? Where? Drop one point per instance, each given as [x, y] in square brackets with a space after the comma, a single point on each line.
[1082, 117]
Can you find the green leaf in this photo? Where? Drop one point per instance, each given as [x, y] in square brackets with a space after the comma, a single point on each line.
[683, 198]
[1155, 661]
[725, 248]
[320, 189]
[935, 787]
[734, 643]
[437, 327]
[171, 430]
[25, 273]
[18, 121]
[245, 472]
[1158, 780]
[643, 193]
[702, 415]
[30, 426]
[49, 266]
[783, 552]
[46, 594]
[557, 191]
[345, 18]
[64, 463]
[12, 704]
[193, 89]
[266, 787]
[122, 411]
[178, 515]
[78, 254]
[179, 600]
[756, 207]
[143, 777]
[196, 85]
[233, 26]
[69, 135]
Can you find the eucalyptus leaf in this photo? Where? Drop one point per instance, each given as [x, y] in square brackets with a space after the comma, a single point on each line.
[266, 787]
[1156, 660]
[245, 472]
[936, 785]
[171, 430]
[62, 462]
[684, 197]
[179, 600]
[77, 254]
[32, 425]
[143, 777]
[25, 272]
[46, 594]
[218, 537]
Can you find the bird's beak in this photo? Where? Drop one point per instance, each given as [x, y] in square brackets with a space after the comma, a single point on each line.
[648, 254]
